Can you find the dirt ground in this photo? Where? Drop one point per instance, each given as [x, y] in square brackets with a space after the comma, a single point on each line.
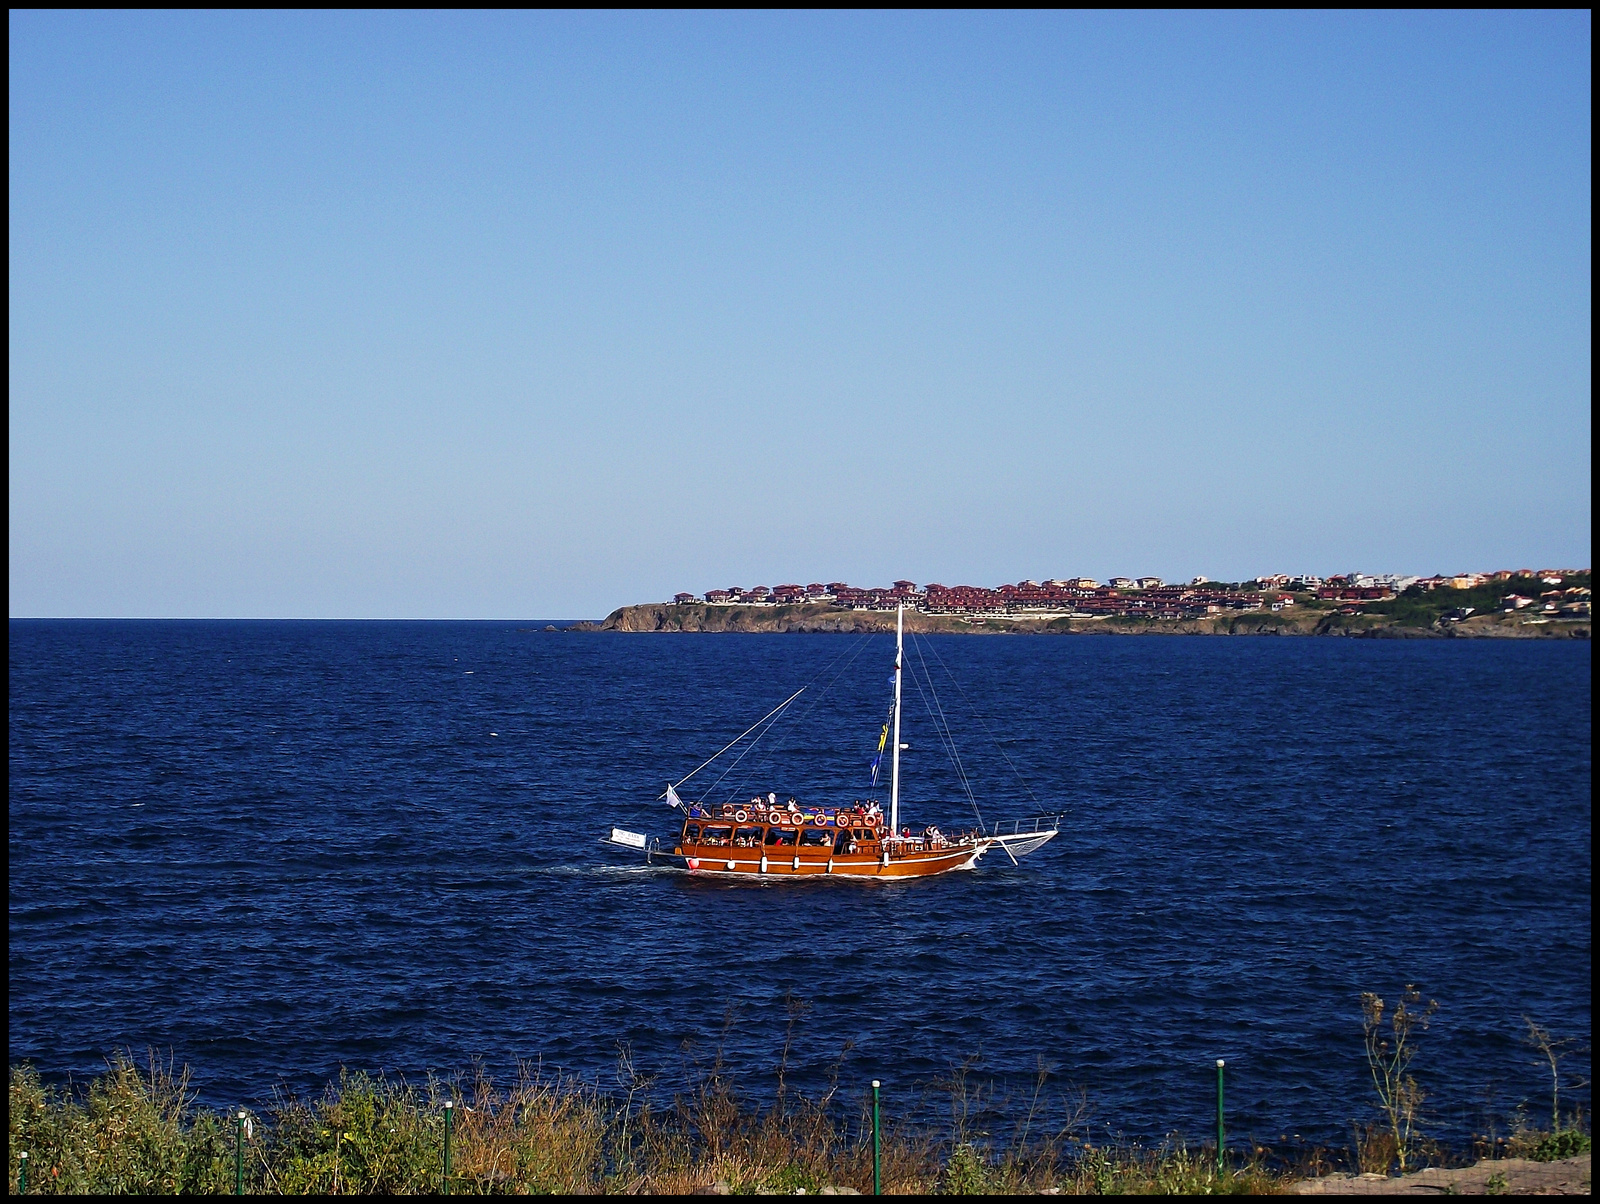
[1505, 1176]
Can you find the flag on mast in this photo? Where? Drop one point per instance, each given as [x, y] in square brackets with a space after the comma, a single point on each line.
[672, 798]
[883, 739]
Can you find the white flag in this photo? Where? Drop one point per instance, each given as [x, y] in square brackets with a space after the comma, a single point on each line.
[673, 800]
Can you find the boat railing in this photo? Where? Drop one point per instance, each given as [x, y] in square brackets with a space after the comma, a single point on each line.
[906, 846]
[1025, 827]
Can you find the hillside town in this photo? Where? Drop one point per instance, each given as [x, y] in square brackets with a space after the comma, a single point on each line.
[1553, 592]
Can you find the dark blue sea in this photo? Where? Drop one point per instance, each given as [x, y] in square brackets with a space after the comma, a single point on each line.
[275, 849]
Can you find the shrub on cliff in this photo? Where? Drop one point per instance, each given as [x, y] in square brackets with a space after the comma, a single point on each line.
[128, 1136]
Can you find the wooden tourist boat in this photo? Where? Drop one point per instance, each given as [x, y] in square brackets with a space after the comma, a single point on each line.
[764, 837]
[827, 840]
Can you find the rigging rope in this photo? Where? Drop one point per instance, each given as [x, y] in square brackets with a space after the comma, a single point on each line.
[941, 725]
[855, 648]
[1015, 771]
[769, 715]
[735, 764]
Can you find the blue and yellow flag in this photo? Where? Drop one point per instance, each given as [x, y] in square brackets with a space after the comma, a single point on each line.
[883, 738]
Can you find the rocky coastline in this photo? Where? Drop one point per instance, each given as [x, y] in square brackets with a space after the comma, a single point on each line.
[812, 617]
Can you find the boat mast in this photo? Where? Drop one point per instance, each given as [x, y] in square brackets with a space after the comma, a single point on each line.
[894, 779]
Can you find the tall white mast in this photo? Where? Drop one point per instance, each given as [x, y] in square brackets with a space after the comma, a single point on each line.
[894, 779]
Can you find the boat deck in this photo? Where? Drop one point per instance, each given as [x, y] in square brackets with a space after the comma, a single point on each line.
[787, 840]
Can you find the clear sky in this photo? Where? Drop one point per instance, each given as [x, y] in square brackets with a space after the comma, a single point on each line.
[537, 315]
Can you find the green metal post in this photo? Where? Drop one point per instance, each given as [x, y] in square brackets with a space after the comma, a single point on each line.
[22, 1174]
[877, 1145]
[1222, 1137]
[449, 1116]
[238, 1155]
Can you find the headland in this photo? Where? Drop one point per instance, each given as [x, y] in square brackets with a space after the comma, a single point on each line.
[1511, 604]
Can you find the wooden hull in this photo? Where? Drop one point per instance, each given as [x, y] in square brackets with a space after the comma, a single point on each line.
[743, 862]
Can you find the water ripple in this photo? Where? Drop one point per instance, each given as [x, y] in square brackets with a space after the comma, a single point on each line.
[279, 848]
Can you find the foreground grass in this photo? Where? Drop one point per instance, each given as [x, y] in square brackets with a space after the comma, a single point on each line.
[134, 1130]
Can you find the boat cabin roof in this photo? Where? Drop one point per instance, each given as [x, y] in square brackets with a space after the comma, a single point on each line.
[861, 815]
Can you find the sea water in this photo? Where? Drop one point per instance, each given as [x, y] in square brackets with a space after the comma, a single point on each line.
[270, 850]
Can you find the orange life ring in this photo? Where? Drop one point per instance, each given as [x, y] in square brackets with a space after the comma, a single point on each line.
[741, 815]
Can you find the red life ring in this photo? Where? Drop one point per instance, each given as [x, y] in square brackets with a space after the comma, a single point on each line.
[741, 815]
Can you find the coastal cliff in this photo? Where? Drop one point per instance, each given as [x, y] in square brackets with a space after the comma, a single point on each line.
[1301, 621]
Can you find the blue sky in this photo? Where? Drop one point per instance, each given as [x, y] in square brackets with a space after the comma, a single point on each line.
[537, 315]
